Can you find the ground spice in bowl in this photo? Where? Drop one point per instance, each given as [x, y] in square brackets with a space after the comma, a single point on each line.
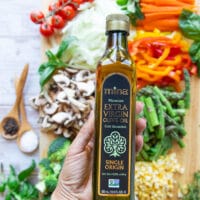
[10, 126]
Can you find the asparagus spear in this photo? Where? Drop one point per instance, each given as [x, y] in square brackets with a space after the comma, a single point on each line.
[151, 111]
[175, 136]
[161, 130]
[178, 127]
[150, 127]
[187, 88]
[165, 101]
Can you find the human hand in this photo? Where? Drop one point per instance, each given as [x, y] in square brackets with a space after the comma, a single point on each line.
[75, 181]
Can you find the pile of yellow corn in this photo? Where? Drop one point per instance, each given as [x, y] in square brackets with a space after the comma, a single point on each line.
[155, 180]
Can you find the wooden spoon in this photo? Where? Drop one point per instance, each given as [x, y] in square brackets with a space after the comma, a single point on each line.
[25, 128]
[12, 118]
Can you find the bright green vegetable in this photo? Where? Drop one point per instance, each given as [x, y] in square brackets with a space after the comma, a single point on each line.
[195, 54]
[175, 136]
[189, 23]
[51, 183]
[122, 2]
[169, 111]
[16, 186]
[151, 111]
[50, 166]
[54, 62]
[149, 126]
[132, 9]
[58, 149]
[161, 129]
[187, 89]
[193, 189]
[165, 101]
[27, 172]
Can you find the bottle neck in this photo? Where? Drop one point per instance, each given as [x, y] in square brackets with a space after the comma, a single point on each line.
[117, 40]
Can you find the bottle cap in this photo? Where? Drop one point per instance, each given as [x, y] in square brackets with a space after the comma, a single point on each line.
[117, 22]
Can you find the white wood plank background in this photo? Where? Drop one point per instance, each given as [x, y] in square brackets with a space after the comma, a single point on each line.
[19, 44]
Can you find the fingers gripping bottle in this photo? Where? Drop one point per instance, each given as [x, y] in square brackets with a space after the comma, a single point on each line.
[114, 157]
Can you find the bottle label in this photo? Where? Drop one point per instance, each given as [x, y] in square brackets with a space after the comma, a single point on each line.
[115, 137]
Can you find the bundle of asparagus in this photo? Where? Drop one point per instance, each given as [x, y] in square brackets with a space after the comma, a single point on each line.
[164, 110]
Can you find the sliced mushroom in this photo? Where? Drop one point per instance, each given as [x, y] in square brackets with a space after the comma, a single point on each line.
[62, 80]
[92, 76]
[61, 117]
[82, 75]
[80, 123]
[46, 125]
[50, 109]
[47, 97]
[69, 92]
[71, 70]
[58, 130]
[78, 104]
[62, 97]
[86, 87]
[67, 133]
[69, 122]
[38, 101]
[78, 115]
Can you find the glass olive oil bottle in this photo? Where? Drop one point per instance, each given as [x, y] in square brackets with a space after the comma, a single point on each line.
[115, 116]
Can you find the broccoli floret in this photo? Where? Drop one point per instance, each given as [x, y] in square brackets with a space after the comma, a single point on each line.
[58, 149]
[45, 168]
[50, 167]
[41, 186]
[48, 184]
[46, 197]
[51, 183]
[56, 168]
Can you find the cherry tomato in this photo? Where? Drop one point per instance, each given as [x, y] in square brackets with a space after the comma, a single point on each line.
[46, 29]
[37, 17]
[57, 22]
[67, 13]
[61, 2]
[54, 6]
[194, 70]
[78, 2]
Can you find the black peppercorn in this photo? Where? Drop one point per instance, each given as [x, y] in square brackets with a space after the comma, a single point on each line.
[10, 126]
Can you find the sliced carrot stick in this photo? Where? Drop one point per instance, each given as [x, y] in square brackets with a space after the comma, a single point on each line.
[147, 8]
[167, 3]
[155, 16]
[161, 24]
[192, 2]
[167, 22]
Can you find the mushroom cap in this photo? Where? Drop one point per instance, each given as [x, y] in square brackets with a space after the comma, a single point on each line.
[61, 117]
[86, 87]
[62, 80]
[51, 108]
[82, 75]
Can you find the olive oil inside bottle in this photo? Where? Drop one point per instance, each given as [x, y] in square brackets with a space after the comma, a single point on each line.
[114, 158]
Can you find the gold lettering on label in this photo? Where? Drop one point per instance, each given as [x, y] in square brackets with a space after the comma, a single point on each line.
[114, 165]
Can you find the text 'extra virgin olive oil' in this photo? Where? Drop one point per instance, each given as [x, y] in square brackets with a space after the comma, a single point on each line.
[114, 158]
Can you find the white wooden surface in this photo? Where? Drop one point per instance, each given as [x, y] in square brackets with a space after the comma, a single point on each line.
[19, 44]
